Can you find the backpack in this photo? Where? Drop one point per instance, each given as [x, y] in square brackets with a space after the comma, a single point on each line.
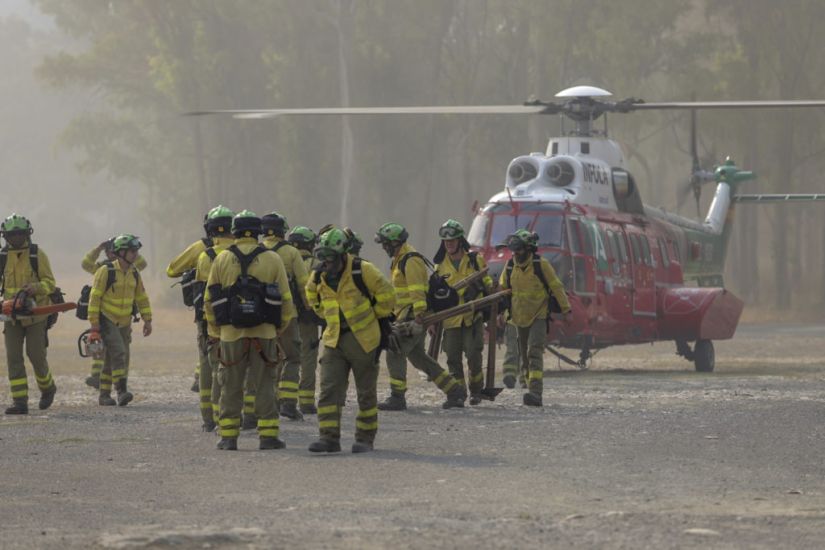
[187, 280]
[552, 304]
[82, 311]
[248, 302]
[55, 297]
[440, 295]
[199, 289]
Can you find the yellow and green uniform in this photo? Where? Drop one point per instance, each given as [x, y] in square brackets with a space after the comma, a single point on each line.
[90, 264]
[111, 309]
[350, 340]
[528, 313]
[247, 353]
[308, 330]
[289, 336]
[411, 300]
[186, 260]
[465, 333]
[208, 336]
[28, 333]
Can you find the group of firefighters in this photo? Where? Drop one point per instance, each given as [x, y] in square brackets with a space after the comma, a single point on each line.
[262, 292]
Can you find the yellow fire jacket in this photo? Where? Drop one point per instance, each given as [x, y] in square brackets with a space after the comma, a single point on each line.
[19, 273]
[529, 299]
[410, 286]
[186, 260]
[202, 270]
[116, 303]
[91, 265]
[295, 269]
[465, 269]
[347, 300]
[267, 268]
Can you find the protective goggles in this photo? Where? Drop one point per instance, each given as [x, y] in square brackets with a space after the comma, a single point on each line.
[446, 232]
[326, 254]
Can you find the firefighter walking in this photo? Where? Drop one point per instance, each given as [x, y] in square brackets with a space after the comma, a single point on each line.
[410, 281]
[116, 289]
[356, 302]
[25, 272]
[537, 292]
[245, 290]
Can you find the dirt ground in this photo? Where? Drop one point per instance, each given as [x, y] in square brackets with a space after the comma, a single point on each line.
[638, 452]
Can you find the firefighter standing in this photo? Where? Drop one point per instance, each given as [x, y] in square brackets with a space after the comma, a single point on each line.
[463, 333]
[26, 272]
[356, 301]
[115, 290]
[183, 262]
[533, 282]
[219, 219]
[274, 229]
[90, 265]
[303, 238]
[409, 278]
[247, 351]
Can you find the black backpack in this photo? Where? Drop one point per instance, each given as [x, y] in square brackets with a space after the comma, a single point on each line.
[55, 297]
[187, 280]
[552, 304]
[82, 311]
[440, 295]
[199, 289]
[248, 302]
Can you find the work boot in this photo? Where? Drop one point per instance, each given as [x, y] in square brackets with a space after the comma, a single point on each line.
[105, 400]
[475, 399]
[308, 408]
[208, 426]
[325, 446]
[196, 386]
[532, 400]
[228, 444]
[509, 381]
[455, 398]
[289, 410]
[362, 447]
[124, 398]
[47, 398]
[268, 443]
[395, 402]
[93, 382]
[18, 407]
[249, 422]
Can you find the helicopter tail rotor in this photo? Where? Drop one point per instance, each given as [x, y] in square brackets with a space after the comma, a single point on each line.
[698, 176]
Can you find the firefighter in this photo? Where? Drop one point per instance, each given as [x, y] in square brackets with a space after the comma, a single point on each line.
[117, 287]
[219, 220]
[536, 292]
[25, 270]
[274, 238]
[247, 286]
[356, 301]
[409, 278]
[463, 333]
[186, 261]
[90, 264]
[303, 238]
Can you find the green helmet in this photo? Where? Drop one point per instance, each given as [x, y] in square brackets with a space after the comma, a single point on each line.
[246, 224]
[125, 241]
[15, 223]
[451, 229]
[522, 239]
[274, 224]
[331, 244]
[219, 220]
[391, 232]
[301, 235]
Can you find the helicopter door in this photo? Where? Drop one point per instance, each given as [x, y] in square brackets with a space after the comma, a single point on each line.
[580, 241]
[644, 280]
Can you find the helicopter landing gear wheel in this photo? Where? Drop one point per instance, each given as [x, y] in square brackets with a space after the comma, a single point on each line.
[704, 358]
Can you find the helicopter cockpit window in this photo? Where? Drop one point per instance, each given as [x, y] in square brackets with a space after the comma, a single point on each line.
[574, 237]
[549, 229]
[506, 224]
[478, 230]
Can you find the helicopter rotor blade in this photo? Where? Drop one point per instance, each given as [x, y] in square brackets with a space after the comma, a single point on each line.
[528, 109]
[636, 106]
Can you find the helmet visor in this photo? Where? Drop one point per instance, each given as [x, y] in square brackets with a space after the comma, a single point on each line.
[447, 232]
